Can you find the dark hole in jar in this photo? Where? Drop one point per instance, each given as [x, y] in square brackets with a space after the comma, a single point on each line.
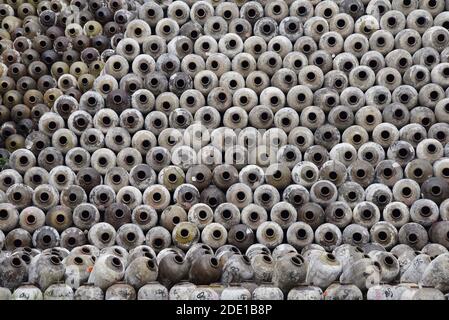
[103, 197]
[370, 119]
[44, 197]
[441, 38]
[257, 48]
[36, 179]
[266, 28]
[60, 218]
[286, 121]
[390, 78]
[358, 46]
[297, 199]
[292, 27]
[445, 172]
[406, 191]
[367, 214]
[266, 197]
[325, 191]
[188, 196]
[387, 172]
[418, 172]
[398, 114]
[425, 121]
[290, 155]
[434, 95]
[309, 215]
[391, 21]
[105, 237]
[318, 61]
[327, 136]
[241, 196]
[436, 190]
[382, 199]
[360, 173]
[269, 232]
[396, 213]
[420, 75]
[431, 148]
[339, 213]
[216, 234]
[440, 135]
[309, 174]
[72, 197]
[348, 65]
[411, 41]
[264, 116]
[129, 159]
[421, 20]
[61, 178]
[119, 213]
[412, 237]
[352, 195]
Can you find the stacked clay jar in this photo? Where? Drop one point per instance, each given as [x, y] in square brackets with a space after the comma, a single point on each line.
[224, 149]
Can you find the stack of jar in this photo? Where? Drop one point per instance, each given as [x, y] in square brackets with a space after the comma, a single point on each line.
[257, 149]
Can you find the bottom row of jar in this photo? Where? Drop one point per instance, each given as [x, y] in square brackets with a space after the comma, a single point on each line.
[239, 291]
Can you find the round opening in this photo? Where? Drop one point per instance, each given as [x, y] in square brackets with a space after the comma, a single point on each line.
[382, 236]
[310, 76]
[333, 175]
[431, 148]
[382, 199]
[202, 215]
[188, 196]
[216, 234]
[328, 236]
[44, 196]
[103, 197]
[105, 237]
[357, 237]
[309, 215]
[297, 199]
[55, 260]
[418, 172]
[325, 191]
[85, 215]
[269, 232]
[17, 196]
[241, 196]
[301, 234]
[426, 211]
[266, 197]
[402, 152]
[239, 235]
[226, 176]
[367, 214]
[360, 173]
[396, 213]
[214, 262]
[412, 237]
[285, 214]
